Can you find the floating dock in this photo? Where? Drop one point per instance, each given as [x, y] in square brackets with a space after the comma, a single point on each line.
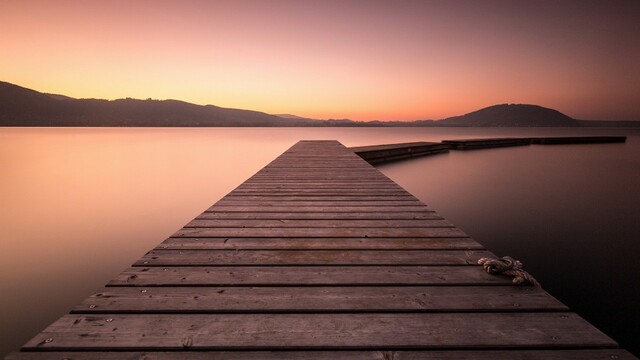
[318, 256]
[578, 140]
[377, 154]
[473, 144]
[484, 143]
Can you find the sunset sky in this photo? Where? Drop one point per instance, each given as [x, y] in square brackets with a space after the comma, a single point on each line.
[364, 60]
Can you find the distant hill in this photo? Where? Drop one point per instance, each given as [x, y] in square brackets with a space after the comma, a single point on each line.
[20, 106]
[24, 107]
[291, 116]
[511, 115]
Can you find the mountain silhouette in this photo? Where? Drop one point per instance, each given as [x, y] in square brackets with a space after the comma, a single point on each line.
[511, 115]
[25, 107]
[20, 106]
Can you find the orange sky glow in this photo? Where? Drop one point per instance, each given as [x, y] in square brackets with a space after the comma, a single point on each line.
[364, 60]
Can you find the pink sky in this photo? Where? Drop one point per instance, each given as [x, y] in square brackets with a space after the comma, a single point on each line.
[364, 60]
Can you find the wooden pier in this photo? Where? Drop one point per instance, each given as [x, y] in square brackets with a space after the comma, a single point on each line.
[318, 256]
[473, 144]
[377, 154]
[484, 143]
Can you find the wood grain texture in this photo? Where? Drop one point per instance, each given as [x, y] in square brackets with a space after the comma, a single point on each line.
[302, 202]
[463, 243]
[320, 232]
[342, 223]
[379, 215]
[591, 354]
[306, 276]
[312, 331]
[310, 257]
[315, 209]
[319, 299]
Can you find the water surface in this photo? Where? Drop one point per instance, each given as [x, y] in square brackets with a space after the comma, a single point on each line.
[78, 205]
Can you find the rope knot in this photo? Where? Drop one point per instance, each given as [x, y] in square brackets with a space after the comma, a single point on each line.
[509, 266]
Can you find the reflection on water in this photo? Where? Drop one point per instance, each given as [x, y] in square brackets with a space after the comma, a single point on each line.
[569, 212]
[77, 206]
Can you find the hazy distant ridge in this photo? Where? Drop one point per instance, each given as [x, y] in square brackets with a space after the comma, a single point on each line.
[25, 107]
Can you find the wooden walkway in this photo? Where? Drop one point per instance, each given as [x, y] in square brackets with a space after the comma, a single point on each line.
[377, 154]
[318, 256]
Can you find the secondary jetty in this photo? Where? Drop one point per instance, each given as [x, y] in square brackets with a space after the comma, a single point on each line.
[318, 256]
[377, 154]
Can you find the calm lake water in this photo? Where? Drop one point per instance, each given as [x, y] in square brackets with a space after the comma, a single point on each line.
[77, 206]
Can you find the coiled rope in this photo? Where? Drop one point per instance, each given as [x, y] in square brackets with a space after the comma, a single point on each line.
[507, 265]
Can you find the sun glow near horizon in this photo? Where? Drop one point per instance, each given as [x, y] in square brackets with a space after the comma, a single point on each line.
[364, 60]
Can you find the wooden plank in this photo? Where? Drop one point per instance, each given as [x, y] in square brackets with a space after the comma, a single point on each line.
[315, 209]
[318, 185]
[377, 182]
[307, 276]
[329, 331]
[322, 165]
[342, 223]
[589, 354]
[320, 174]
[302, 202]
[315, 176]
[318, 193]
[305, 198]
[424, 215]
[354, 171]
[321, 243]
[319, 299]
[310, 257]
[382, 191]
[319, 232]
[328, 191]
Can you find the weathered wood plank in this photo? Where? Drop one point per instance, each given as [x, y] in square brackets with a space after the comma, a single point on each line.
[307, 203]
[374, 183]
[346, 193]
[319, 299]
[306, 276]
[317, 176]
[320, 191]
[319, 187]
[417, 215]
[321, 209]
[329, 209]
[332, 331]
[589, 354]
[320, 232]
[244, 197]
[324, 187]
[186, 243]
[314, 177]
[342, 223]
[310, 257]
[324, 165]
[325, 196]
[334, 209]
